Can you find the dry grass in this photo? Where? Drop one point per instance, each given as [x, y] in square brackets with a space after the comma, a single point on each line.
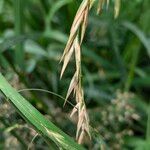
[74, 46]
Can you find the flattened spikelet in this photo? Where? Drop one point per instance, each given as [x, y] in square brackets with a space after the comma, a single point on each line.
[72, 86]
[67, 57]
[100, 6]
[117, 8]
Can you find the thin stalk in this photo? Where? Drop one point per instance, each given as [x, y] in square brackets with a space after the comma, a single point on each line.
[115, 47]
[19, 52]
[3, 62]
[134, 60]
[148, 125]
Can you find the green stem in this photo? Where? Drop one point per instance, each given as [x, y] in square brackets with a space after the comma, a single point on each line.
[134, 59]
[19, 52]
[148, 125]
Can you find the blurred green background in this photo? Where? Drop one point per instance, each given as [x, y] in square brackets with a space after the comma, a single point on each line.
[115, 65]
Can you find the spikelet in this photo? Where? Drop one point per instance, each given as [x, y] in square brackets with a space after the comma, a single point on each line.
[117, 8]
[101, 4]
[117, 5]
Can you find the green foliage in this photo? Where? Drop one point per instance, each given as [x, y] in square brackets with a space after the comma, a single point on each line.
[30, 114]
[115, 57]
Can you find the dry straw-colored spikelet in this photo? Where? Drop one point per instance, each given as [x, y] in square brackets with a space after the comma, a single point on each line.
[117, 8]
[101, 4]
[74, 46]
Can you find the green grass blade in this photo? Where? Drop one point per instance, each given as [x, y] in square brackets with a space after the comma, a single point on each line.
[56, 6]
[47, 129]
[19, 53]
[141, 35]
[1, 6]
[148, 125]
[8, 43]
[133, 63]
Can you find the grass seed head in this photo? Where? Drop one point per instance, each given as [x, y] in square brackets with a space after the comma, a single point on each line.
[73, 45]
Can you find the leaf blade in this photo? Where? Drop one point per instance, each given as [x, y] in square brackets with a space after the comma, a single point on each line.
[36, 119]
